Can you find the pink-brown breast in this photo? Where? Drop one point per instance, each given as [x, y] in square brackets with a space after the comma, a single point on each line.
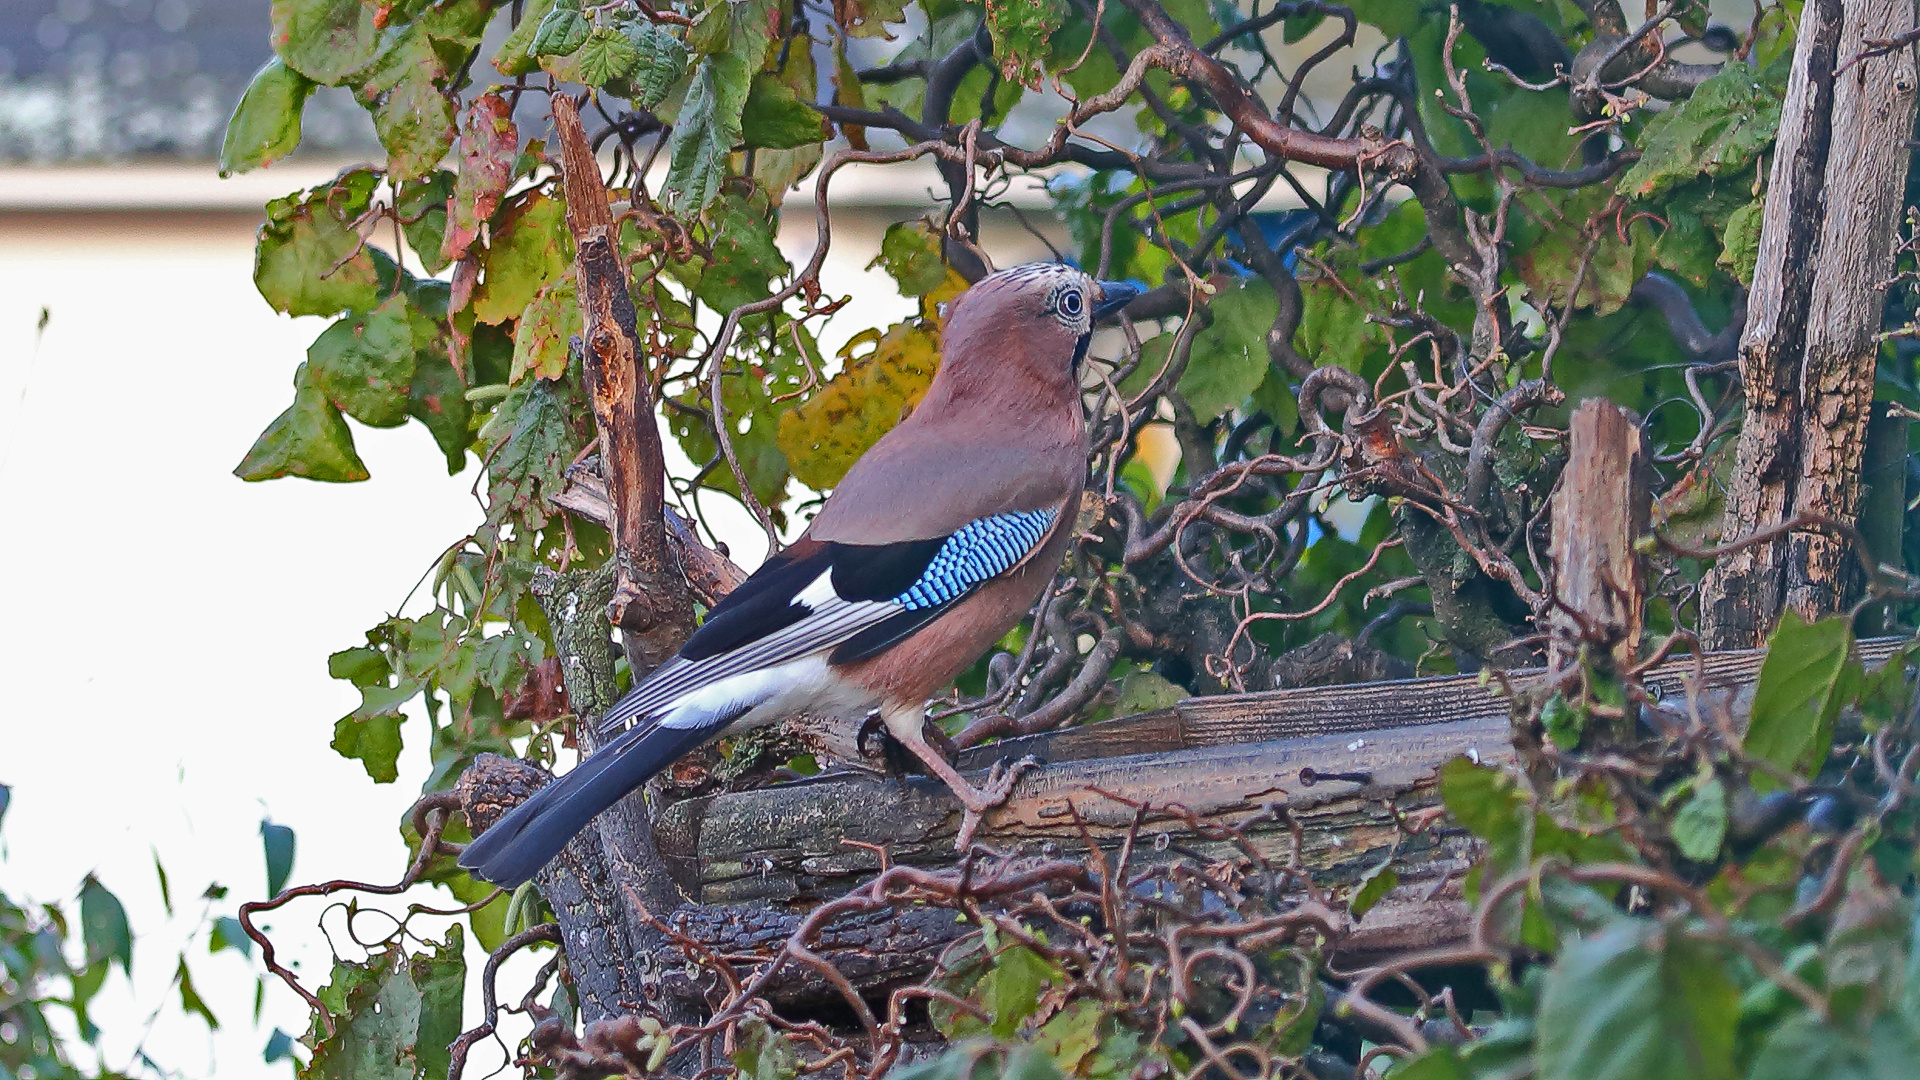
[913, 670]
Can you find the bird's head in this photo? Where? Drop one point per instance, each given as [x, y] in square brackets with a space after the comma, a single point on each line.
[1041, 314]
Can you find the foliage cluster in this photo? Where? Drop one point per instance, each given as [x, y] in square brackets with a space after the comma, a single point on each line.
[1472, 241]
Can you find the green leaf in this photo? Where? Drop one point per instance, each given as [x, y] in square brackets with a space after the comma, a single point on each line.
[607, 55]
[515, 55]
[1394, 18]
[528, 454]
[310, 440]
[1021, 29]
[1701, 825]
[411, 114]
[363, 667]
[1803, 1047]
[228, 933]
[103, 925]
[1550, 265]
[309, 259]
[1564, 722]
[745, 257]
[1375, 884]
[1011, 988]
[868, 18]
[1727, 122]
[1740, 243]
[364, 364]
[1637, 1001]
[279, 1047]
[1333, 329]
[707, 132]
[166, 890]
[6, 797]
[1144, 691]
[1028, 1063]
[1229, 358]
[775, 118]
[456, 22]
[265, 126]
[708, 127]
[437, 398]
[661, 61]
[712, 29]
[277, 844]
[1439, 1063]
[374, 741]
[190, 999]
[912, 253]
[1687, 248]
[488, 145]
[530, 247]
[562, 31]
[422, 207]
[394, 1015]
[1071, 1035]
[763, 1054]
[540, 340]
[1802, 685]
[325, 40]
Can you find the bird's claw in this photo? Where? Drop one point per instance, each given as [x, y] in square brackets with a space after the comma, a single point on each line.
[999, 787]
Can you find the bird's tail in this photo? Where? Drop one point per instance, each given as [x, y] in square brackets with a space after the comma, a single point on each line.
[514, 848]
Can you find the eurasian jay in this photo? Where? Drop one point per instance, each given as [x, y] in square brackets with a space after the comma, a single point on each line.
[934, 545]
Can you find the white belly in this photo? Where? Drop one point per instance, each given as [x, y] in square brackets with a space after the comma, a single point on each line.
[758, 698]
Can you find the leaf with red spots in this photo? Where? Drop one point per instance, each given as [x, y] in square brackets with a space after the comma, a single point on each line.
[488, 144]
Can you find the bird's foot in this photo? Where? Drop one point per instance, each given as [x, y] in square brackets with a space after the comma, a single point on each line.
[977, 801]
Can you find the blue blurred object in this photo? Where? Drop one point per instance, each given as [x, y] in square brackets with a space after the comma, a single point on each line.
[1282, 231]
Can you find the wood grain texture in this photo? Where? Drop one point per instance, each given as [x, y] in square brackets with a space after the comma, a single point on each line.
[1742, 591]
[1599, 513]
[1231, 760]
[651, 603]
[1873, 113]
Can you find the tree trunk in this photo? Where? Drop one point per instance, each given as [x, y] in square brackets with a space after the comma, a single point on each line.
[1807, 356]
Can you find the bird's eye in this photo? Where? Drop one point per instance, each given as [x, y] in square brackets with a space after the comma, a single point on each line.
[1069, 303]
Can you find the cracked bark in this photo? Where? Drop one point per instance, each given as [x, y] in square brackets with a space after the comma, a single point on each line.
[1807, 355]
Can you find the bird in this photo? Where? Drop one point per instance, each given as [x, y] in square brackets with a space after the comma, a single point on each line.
[935, 543]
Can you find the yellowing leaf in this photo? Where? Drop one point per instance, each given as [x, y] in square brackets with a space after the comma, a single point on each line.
[823, 436]
[530, 247]
[540, 341]
[309, 259]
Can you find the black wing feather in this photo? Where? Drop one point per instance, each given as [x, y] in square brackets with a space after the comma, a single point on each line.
[759, 606]
[884, 634]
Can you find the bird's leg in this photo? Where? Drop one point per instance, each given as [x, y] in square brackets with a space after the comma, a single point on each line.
[908, 727]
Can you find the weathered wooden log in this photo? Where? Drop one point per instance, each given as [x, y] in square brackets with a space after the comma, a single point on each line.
[1341, 762]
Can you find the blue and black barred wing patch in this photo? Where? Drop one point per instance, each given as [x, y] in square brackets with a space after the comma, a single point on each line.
[854, 599]
[974, 555]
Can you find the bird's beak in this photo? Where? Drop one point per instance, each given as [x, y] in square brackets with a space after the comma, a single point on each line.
[1114, 295]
